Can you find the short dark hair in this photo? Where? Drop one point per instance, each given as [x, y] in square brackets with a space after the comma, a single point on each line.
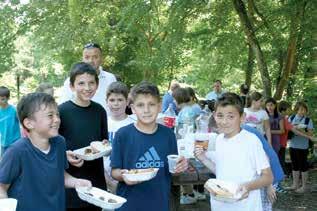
[300, 104]
[31, 103]
[4, 92]
[92, 45]
[43, 86]
[283, 106]
[118, 87]
[181, 95]
[244, 89]
[82, 68]
[145, 88]
[230, 99]
[192, 94]
[218, 81]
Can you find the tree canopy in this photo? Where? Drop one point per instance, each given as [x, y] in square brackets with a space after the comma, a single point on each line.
[265, 44]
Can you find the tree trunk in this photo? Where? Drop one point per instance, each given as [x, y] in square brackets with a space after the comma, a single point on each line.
[290, 63]
[252, 39]
[250, 65]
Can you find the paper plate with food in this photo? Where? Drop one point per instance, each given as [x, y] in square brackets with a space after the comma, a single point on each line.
[140, 175]
[96, 150]
[100, 198]
[223, 191]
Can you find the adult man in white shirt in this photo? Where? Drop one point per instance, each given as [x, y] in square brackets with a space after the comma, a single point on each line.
[92, 54]
[217, 93]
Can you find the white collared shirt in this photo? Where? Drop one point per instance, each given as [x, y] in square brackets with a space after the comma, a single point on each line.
[105, 79]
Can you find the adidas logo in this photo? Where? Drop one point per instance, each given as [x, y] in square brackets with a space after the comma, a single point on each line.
[150, 159]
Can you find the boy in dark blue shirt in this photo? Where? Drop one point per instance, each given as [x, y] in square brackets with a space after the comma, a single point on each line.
[145, 144]
[33, 169]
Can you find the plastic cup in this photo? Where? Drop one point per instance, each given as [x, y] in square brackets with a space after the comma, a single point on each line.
[172, 161]
[202, 139]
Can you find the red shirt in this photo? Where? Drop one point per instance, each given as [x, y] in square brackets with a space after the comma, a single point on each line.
[287, 127]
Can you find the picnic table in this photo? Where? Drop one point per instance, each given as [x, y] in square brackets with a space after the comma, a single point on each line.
[197, 174]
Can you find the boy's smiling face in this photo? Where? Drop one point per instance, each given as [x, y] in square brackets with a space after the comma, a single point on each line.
[117, 104]
[228, 120]
[85, 87]
[146, 108]
[44, 123]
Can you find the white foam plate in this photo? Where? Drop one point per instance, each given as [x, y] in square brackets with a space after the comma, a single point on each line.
[93, 196]
[80, 153]
[232, 187]
[141, 176]
[8, 204]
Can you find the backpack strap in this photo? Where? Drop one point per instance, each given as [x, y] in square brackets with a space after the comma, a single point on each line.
[292, 117]
[306, 122]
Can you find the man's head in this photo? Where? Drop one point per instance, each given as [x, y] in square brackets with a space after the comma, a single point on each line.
[117, 99]
[4, 96]
[46, 88]
[83, 82]
[92, 54]
[217, 86]
[174, 85]
[145, 102]
[38, 113]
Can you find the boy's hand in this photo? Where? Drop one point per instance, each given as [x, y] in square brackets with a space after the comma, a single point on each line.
[244, 191]
[128, 182]
[271, 193]
[73, 160]
[182, 165]
[105, 141]
[82, 183]
[200, 153]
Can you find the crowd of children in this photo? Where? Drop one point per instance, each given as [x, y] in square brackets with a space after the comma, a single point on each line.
[250, 148]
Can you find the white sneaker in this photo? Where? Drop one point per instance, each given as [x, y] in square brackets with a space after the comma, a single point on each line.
[199, 196]
[186, 199]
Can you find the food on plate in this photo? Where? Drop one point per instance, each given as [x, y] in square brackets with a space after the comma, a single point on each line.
[221, 191]
[102, 198]
[112, 201]
[138, 171]
[98, 146]
[89, 194]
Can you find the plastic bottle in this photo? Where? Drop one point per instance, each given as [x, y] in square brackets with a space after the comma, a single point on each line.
[202, 121]
[169, 117]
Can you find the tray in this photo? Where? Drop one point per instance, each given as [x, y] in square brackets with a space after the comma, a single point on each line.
[80, 153]
[99, 197]
[141, 175]
[231, 187]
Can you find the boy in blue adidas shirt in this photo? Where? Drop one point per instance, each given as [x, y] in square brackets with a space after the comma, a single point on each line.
[145, 144]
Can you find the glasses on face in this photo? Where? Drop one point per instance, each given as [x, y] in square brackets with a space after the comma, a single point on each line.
[92, 45]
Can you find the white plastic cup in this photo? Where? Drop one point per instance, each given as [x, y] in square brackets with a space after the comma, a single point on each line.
[172, 161]
[8, 204]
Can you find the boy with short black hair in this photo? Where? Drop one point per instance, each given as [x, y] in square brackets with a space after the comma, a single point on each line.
[33, 169]
[145, 144]
[9, 123]
[83, 121]
[117, 101]
[239, 157]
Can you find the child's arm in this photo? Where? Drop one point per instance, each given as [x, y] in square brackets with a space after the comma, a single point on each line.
[267, 129]
[72, 182]
[301, 132]
[281, 130]
[200, 154]
[265, 180]
[3, 190]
